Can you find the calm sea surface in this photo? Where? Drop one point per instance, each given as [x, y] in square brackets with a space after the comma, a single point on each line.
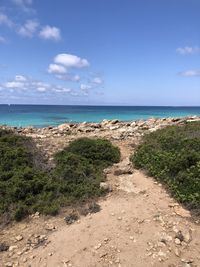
[45, 115]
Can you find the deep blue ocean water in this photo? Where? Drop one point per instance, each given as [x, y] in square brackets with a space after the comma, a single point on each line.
[45, 115]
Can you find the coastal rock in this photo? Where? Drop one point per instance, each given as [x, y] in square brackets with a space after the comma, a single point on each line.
[19, 237]
[3, 247]
[182, 212]
[123, 170]
[63, 127]
[105, 186]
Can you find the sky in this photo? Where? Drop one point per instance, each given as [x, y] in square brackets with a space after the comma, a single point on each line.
[100, 52]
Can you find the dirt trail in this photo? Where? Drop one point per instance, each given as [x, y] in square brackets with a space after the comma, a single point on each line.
[138, 226]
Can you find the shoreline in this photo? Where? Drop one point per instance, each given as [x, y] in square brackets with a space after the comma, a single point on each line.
[105, 123]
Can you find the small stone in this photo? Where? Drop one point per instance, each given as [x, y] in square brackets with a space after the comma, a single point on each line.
[119, 218]
[187, 236]
[182, 212]
[9, 264]
[50, 227]
[24, 260]
[161, 254]
[105, 186]
[177, 252]
[19, 237]
[177, 241]
[11, 248]
[98, 246]
[4, 247]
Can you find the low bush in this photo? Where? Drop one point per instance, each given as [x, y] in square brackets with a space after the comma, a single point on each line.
[80, 166]
[98, 152]
[25, 186]
[172, 156]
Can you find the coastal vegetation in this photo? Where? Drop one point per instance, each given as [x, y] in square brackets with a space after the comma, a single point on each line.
[26, 186]
[172, 156]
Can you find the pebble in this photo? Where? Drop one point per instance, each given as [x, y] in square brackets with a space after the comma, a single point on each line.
[177, 252]
[177, 241]
[19, 237]
[98, 246]
[11, 248]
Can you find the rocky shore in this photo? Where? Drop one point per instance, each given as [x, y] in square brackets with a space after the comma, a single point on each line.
[118, 130]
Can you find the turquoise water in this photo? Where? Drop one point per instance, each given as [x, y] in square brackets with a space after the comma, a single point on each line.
[45, 115]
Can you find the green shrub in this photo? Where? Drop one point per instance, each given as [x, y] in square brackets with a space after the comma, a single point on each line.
[25, 186]
[172, 156]
[80, 166]
[97, 151]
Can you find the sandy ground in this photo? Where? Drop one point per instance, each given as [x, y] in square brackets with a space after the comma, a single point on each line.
[139, 225]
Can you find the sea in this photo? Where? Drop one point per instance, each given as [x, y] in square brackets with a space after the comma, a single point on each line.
[52, 115]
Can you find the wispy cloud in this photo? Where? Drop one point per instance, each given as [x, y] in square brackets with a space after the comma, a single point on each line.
[24, 5]
[29, 28]
[5, 20]
[23, 83]
[50, 33]
[190, 73]
[97, 80]
[2, 40]
[188, 50]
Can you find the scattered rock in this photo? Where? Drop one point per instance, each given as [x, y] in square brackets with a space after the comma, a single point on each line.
[177, 252]
[11, 248]
[98, 246]
[50, 227]
[4, 247]
[9, 264]
[179, 236]
[182, 212]
[105, 186]
[123, 170]
[19, 237]
[71, 218]
[177, 241]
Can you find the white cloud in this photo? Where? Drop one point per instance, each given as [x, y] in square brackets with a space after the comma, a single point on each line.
[3, 40]
[68, 77]
[85, 86]
[97, 80]
[60, 89]
[24, 5]
[21, 83]
[50, 33]
[71, 61]
[20, 78]
[22, 2]
[4, 20]
[29, 28]
[190, 73]
[14, 85]
[188, 50]
[41, 89]
[56, 69]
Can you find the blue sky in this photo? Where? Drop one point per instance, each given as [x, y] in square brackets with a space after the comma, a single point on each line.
[107, 52]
